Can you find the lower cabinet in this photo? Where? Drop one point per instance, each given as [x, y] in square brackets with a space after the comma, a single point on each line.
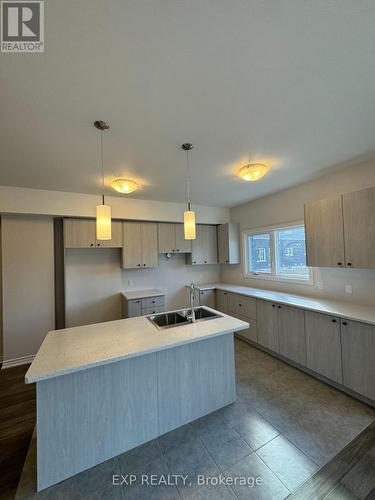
[140, 307]
[268, 328]
[358, 350]
[250, 333]
[222, 301]
[292, 339]
[323, 345]
[207, 298]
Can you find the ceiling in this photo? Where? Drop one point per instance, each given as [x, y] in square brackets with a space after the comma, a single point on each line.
[290, 83]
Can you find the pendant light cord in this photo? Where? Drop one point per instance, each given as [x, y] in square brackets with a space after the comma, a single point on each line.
[102, 158]
[187, 180]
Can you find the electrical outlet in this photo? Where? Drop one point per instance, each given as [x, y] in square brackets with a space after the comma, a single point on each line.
[348, 289]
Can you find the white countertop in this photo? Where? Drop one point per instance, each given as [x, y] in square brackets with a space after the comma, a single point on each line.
[75, 349]
[142, 294]
[345, 310]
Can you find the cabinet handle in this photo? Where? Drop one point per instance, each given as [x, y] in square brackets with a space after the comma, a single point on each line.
[344, 323]
[138, 301]
[91, 244]
[226, 262]
[98, 244]
[273, 305]
[240, 305]
[194, 262]
[349, 264]
[177, 250]
[173, 250]
[144, 264]
[138, 265]
[153, 302]
[339, 263]
[224, 293]
[205, 262]
[333, 321]
[279, 307]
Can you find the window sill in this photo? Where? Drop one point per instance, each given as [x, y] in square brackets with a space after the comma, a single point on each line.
[280, 279]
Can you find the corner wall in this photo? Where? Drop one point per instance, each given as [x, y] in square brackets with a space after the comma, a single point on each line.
[287, 206]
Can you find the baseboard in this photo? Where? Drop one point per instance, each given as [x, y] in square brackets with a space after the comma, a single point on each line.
[24, 360]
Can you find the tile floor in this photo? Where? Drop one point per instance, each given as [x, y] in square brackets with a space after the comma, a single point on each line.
[284, 426]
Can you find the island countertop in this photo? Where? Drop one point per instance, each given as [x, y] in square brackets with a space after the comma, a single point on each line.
[74, 349]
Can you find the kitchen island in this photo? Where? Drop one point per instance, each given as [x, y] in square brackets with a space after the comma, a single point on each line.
[105, 388]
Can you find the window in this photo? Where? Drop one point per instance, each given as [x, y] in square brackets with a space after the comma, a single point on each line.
[277, 253]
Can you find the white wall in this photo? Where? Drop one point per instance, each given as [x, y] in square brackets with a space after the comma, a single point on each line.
[28, 283]
[94, 278]
[43, 202]
[287, 206]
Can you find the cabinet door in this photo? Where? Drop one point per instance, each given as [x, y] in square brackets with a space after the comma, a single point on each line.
[116, 240]
[210, 245]
[222, 301]
[292, 337]
[166, 238]
[240, 304]
[79, 233]
[131, 248]
[323, 345]
[197, 247]
[223, 243]
[325, 233]
[358, 348]
[251, 332]
[207, 298]
[359, 228]
[268, 334]
[228, 243]
[182, 245]
[134, 308]
[149, 237]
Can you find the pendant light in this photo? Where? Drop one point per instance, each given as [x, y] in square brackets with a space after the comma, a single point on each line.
[103, 211]
[189, 215]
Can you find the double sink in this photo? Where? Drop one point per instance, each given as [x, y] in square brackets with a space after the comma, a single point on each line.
[182, 317]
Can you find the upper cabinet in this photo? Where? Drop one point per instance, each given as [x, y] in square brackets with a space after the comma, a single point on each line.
[140, 245]
[324, 233]
[340, 231]
[172, 240]
[228, 243]
[81, 233]
[204, 247]
[359, 228]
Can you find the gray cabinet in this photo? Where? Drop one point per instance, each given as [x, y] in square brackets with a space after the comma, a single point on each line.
[140, 245]
[207, 298]
[222, 301]
[171, 239]
[359, 228]
[324, 233]
[132, 308]
[81, 233]
[292, 338]
[240, 304]
[228, 243]
[323, 345]
[204, 247]
[268, 328]
[358, 350]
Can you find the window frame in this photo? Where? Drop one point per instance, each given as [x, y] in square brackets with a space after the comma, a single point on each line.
[272, 276]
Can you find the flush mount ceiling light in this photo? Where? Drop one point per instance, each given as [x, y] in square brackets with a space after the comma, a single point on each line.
[189, 215]
[125, 186]
[103, 211]
[253, 171]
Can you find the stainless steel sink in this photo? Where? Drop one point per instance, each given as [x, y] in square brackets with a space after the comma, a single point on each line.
[182, 317]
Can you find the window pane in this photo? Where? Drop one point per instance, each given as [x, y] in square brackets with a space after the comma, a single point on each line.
[259, 252]
[291, 253]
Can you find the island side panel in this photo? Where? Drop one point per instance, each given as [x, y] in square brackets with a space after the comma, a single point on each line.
[87, 417]
[194, 380]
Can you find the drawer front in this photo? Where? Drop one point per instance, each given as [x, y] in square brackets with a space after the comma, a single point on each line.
[250, 333]
[246, 306]
[152, 302]
[152, 310]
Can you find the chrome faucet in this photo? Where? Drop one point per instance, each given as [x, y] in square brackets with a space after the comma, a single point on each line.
[192, 302]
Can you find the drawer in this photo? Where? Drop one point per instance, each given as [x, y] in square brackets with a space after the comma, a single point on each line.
[152, 310]
[132, 308]
[152, 302]
[240, 304]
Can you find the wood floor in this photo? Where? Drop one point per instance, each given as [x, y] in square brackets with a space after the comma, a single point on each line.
[17, 421]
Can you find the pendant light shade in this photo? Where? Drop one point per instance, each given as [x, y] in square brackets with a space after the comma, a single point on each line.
[103, 211]
[189, 225]
[189, 215]
[103, 222]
